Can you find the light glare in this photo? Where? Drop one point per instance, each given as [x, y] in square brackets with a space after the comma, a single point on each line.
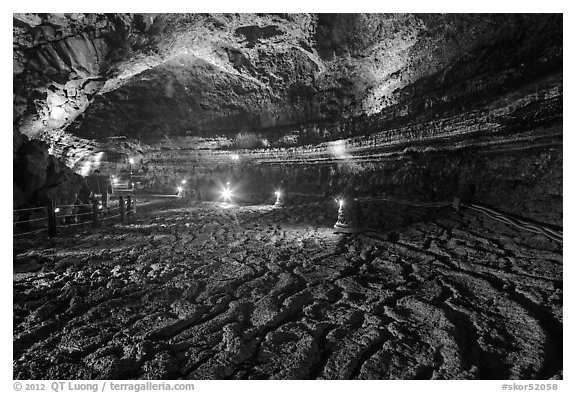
[338, 149]
[226, 194]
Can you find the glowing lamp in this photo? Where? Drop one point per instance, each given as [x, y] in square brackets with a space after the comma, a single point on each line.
[226, 194]
[350, 217]
[279, 202]
[180, 188]
[131, 160]
[184, 181]
[56, 210]
[235, 156]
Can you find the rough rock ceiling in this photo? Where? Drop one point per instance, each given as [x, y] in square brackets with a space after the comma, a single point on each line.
[81, 79]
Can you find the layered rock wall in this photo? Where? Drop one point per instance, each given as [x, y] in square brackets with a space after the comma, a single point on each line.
[493, 153]
[415, 101]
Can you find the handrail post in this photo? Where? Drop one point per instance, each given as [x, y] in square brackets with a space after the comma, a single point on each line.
[129, 206]
[95, 222]
[121, 205]
[105, 199]
[54, 210]
[51, 212]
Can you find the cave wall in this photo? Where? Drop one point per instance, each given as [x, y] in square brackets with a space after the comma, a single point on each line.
[526, 182]
[421, 105]
[503, 150]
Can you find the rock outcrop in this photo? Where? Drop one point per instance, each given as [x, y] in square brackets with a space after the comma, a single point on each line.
[40, 177]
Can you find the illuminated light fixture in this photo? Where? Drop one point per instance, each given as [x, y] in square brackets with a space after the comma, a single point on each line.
[132, 185]
[226, 194]
[56, 210]
[131, 161]
[180, 188]
[235, 156]
[279, 201]
[341, 224]
[350, 217]
[184, 181]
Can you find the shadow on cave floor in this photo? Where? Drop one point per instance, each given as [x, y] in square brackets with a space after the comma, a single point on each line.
[211, 291]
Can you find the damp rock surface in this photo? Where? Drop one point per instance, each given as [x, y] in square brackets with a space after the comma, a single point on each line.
[207, 291]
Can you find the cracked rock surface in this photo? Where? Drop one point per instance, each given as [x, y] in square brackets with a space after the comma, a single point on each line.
[198, 291]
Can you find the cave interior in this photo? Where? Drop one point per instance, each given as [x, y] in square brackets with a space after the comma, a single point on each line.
[315, 196]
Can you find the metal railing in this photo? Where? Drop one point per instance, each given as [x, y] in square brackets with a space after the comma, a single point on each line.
[56, 217]
[124, 208]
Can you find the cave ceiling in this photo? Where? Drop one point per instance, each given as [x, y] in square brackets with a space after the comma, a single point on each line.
[148, 77]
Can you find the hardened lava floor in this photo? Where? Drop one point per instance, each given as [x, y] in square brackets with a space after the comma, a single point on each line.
[199, 291]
